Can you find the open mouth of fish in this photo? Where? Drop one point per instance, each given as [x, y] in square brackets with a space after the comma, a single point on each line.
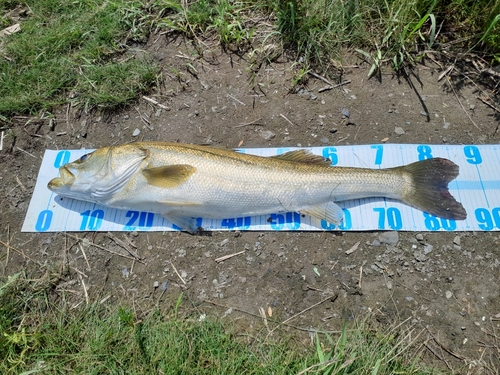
[66, 178]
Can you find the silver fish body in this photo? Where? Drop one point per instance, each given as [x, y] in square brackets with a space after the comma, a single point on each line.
[183, 182]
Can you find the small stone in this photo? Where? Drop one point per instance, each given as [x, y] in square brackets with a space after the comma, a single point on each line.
[428, 248]
[346, 113]
[376, 243]
[313, 97]
[423, 113]
[389, 284]
[184, 274]
[456, 240]
[156, 284]
[390, 238]
[333, 130]
[267, 134]
[419, 256]
[125, 272]
[448, 294]
[399, 130]
[446, 125]
[164, 286]
[324, 140]
[419, 237]
[136, 132]
[224, 242]
[134, 233]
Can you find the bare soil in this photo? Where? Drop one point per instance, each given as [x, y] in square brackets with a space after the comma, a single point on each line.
[443, 285]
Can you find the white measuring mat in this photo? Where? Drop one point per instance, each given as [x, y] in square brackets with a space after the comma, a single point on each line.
[477, 187]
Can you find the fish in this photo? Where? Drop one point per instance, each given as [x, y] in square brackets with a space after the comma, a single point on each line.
[183, 182]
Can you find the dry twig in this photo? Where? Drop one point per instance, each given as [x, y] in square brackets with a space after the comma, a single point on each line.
[84, 288]
[151, 100]
[178, 274]
[123, 245]
[334, 86]
[333, 298]
[461, 105]
[19, 252]
[84, 255]
[223, 258]
[254, 122]
[100, 247]
[287, 119]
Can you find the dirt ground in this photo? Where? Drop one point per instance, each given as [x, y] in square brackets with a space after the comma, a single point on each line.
[444, 286]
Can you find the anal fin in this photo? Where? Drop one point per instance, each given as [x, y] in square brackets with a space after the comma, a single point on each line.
[329, 212]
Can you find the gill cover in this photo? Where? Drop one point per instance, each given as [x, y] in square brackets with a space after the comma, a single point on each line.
[97, 176]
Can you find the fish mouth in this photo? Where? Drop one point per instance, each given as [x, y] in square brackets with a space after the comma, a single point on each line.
[65, 180]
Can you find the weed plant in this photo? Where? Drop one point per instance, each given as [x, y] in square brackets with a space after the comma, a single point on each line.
[78, 51]
[39, 335]
[73, 51]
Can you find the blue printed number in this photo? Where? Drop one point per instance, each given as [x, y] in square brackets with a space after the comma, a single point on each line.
[488, 220]
[345, 224]
[238, 223]
[379, 154]
[331, 153]
[141, 219]
[433, 223]
[424, 152]
[91, 220]
[392, 217]
[290, 219]
[473, 155]
[62, 158]
[44, 220]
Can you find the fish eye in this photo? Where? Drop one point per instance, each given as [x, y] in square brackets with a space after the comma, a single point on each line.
[84, 157]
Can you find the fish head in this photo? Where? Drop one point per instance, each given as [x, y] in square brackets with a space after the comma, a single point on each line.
[96, 176]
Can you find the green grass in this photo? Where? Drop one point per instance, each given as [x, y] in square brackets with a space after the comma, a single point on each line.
[320, 32]
[38, 335]
[222, 19]
[73, 51]
[78, 51]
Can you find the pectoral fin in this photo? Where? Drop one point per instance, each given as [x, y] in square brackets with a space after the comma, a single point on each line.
[328, 211]
[168, 176]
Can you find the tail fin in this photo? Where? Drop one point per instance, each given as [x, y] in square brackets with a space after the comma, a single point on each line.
[430, 179]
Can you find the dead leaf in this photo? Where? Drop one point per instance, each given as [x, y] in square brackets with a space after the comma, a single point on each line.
[10, 30]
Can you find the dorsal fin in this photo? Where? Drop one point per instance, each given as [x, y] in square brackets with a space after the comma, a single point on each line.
[304, 156]
[168, 176]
